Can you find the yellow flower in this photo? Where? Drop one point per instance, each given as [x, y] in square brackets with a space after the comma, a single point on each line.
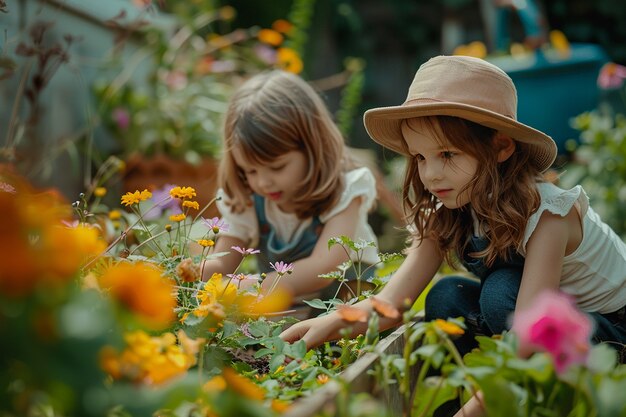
[115, 215]
[280, 406]
[227, 12]
[206, 242]
[178, 217]
[142, 289]
[242, 385]
[129, 198]
[217, 383]
[289, 60]
[183, 192]
[449, 327]
[475, 49]
[191, 204]
[322, 378]
[100, 192]
[151, 360]
[270, 37]
[559, 41]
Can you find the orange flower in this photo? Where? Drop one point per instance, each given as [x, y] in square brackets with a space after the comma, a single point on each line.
[129, 198]
[289, 60]
[191, 204]
[282, 26]
[142, 289]
[183, 192]
[188, 271]
[384, 308]
[449, 327]
[352, 314]
[35, 249]
[270, 37]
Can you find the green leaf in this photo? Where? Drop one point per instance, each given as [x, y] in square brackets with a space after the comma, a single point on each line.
[602, 358]
[430, 394]
[316, 303]
[259, 328]
[503, 398]
[276, 361]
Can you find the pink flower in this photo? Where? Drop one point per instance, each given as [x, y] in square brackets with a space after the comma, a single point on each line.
[7, 188]
[282, 268]
[121, 117]
[245, 251]
[553, 324]
[215, 224]
[611, 75]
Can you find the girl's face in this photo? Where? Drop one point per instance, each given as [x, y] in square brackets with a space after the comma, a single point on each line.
[444, 170]
[278, 179]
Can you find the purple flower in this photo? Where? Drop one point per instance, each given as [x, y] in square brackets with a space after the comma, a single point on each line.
[215, 224]
[265, 54]
[282, 268]
[163, 202]
[245, 251]
[121, 117]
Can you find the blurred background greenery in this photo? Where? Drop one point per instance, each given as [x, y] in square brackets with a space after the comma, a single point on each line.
[72, 71]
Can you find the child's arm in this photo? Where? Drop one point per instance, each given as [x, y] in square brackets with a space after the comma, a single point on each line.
[225, 264]
[554, 237]
[420, 266]
[304, 279]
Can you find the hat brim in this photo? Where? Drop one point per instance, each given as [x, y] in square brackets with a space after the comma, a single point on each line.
[383, 124]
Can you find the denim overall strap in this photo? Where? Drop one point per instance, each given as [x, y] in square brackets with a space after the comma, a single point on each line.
[274, 249]
[477, 265]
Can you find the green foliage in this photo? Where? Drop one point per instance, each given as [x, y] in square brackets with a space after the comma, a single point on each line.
[510, 385]
[351, 96]
[599, 165]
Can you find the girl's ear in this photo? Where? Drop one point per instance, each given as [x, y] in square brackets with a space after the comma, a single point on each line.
[505, 146]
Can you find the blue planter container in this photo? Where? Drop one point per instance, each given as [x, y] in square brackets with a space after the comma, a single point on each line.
[552, 88]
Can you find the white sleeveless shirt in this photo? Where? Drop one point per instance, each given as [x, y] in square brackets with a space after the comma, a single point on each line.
[595, 273]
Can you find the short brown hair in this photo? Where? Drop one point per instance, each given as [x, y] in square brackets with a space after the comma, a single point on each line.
[271, 114]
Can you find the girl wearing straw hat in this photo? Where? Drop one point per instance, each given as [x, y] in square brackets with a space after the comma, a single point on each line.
[474, 193]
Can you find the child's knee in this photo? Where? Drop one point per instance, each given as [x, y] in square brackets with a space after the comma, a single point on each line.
[498, 299]
[447, 296]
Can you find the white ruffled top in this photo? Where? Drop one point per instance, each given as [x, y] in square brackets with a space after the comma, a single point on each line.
[288, 227]
[594, 273]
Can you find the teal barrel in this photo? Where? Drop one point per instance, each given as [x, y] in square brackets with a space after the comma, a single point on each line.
[554, 87]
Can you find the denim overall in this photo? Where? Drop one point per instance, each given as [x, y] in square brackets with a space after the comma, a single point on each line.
[487, 304]
[274, 249]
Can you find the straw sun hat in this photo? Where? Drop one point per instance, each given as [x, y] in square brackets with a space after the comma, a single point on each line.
[465, 87]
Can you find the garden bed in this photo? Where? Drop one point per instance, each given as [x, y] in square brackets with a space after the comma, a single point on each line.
[357, 378]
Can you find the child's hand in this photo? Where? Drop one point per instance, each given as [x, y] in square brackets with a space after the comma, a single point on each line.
[313, 331]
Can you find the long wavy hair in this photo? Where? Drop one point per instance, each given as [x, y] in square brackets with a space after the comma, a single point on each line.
[503, 194]
[271, 114]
